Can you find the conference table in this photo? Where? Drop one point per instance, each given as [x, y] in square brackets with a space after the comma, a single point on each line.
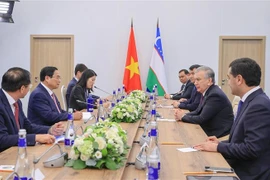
[173, 162]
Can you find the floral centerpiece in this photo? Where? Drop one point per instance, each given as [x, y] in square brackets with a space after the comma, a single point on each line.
[103, 145]
[138, 94]
[129, 110]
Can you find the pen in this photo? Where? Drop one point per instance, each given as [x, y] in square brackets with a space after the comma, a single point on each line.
[171, 143]
[191, 173]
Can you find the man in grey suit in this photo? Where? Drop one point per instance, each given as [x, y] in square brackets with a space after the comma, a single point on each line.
[214, 113]
[248, 147]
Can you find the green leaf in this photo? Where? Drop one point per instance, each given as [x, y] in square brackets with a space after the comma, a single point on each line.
[91, 162]
[110, 164]
[104, 152]
[109, 146]
[69, 163]
[95, 145]
[100, 163]
[79, 164]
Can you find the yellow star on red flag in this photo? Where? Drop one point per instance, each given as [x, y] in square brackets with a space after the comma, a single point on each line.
[133, 67]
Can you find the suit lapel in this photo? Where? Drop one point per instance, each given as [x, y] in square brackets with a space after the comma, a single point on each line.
[243, 109]
[49, 97]
[9, 110]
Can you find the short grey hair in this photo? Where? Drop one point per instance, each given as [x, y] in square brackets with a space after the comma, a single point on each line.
[209, 72]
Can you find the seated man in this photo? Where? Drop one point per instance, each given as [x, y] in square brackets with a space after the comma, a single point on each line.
[186, 88]
[248, 148]
[214, 114]
[15, 85]
[44, 107]
[78, 73]
[193, 102]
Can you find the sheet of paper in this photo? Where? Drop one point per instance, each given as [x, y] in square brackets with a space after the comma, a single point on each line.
[86, 115]
[165, 106]
[165, 120]
[188, 149]
[38, 174]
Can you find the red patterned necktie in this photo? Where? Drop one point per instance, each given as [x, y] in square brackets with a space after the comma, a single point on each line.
[54, 99]
[16, 114]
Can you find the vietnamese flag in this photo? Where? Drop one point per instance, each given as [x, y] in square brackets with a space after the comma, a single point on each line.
[132, 79]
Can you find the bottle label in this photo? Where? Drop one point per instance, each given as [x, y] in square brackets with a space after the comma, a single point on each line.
[153, 132]
[22, 178]
[152, 173]
[69, 142]
[22, 142]
[70, 116]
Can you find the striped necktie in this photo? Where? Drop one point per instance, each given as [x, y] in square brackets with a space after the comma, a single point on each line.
[54, 99]
[16, 114]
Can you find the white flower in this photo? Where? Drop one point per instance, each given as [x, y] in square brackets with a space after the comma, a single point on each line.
[101, 142]
[94, 135]
[89, 130]
[84, 157]
[78, 142]
[98, 155]
[73, 155]
[110, 134]
[121, 149]
[110, 141]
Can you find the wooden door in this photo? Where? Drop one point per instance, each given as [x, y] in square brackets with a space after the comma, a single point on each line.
[52, 50]
[233, 47]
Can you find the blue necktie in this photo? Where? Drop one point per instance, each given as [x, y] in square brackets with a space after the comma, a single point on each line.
[239, 108]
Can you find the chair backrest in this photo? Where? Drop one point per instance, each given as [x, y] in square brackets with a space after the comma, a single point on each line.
[63, 94]
[235, 102]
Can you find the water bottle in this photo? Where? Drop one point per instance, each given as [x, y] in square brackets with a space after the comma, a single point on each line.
[153, 121]
[153, 155]
[156, 90]
[22, 166]
[154, 93]
[70, 131]
[118, 96]
[123, 93]
[90, 102]
[113, 102]
[101, 114]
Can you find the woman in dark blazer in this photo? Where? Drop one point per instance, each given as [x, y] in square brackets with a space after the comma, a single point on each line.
[81, 90]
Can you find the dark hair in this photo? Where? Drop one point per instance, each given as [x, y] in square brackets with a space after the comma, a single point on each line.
[184, 70]
[15, 78]
[194, 66]
[80, 67]
[47, 71]
[248, 69]
[88, 73]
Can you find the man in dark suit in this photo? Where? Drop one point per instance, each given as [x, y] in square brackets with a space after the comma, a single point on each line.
[186, 88]
[214, 114]
[44, 107]
[15, 85]
[248, 147]
[78, 73]
[193, 102]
